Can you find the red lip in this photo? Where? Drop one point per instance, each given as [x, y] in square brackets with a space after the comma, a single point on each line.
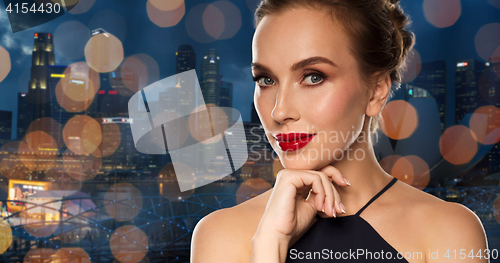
[293, 141]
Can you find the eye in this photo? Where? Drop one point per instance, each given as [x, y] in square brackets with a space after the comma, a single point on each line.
[263, 80]
[314, 78]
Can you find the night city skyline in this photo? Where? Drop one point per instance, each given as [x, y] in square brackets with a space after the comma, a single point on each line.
[74, 179]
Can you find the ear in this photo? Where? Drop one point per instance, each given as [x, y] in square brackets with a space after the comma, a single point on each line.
[379, 95]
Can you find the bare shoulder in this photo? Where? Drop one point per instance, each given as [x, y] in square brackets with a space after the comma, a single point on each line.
[225, 235]
[454, 226]
[443, 225]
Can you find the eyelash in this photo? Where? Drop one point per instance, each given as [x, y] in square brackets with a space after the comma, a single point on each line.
[307, 74]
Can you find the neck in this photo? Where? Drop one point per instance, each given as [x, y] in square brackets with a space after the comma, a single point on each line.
[363, 172]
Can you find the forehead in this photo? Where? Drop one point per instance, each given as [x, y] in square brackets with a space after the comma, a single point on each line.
[287, 37]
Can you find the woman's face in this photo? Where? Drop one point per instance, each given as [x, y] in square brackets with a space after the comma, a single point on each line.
[307, 81]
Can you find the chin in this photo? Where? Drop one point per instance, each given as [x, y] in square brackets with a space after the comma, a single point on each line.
[302, 164]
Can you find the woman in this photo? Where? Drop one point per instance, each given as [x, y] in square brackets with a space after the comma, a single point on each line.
[324, 71]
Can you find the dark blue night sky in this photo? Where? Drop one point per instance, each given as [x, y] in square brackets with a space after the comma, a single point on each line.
[142, 36]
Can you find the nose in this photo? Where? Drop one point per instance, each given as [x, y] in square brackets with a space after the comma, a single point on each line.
[285, 109]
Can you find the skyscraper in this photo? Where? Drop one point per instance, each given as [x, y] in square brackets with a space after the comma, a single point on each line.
[467, 99]
[210, 85]
[185, 59]
[22, 115]
[226, 94]
[5, 126]
[210, 88]
[54, 108]
[42, 56]
[432, 78]
[490, 92]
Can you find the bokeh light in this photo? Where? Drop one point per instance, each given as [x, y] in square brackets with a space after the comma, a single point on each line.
[458, 144]
[111, 139]
[81, 167]
[81, 7]
[36, 224]
[112, 21]
[496, 66]
[70, 39]
[206, 122]
[253, 4]
[104, 52]
[410, 169]
[4, 63]
[11, 165]
[65, 181]
[76, 90]
[442, 13]
[403, 170]
[5, 236]
[221, 19]
[485, 123]
[421, 172]
[251, 188]
[168, 184]
[40, 255]
[487, 40]
[38, 151]
[49, 126]
[496, 208]
[194, 24]
[495, 3]
[413, 66]
[399, 119]
[165, 18]
[123, 201]
[42, 144]
[166, 5]
[129, 244]
[388, 162]
[69, 4]
[72, 255]
[82, 134]
[151, 66]
[134, 74]
[213, 21]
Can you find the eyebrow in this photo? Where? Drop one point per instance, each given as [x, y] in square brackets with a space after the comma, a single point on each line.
[301, 64]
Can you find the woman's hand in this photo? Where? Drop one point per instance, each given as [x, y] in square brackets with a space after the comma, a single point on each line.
[297, 197]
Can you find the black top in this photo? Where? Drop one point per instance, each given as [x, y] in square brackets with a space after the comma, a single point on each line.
[344, 239]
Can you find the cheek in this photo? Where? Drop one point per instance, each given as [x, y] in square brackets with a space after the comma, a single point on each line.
[338, 111]
[329, 107]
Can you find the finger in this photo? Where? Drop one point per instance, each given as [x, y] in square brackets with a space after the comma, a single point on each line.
[329, 195]
[336, 176]
[337, 201]
[309, 179]
[305, 193]
[333, 206]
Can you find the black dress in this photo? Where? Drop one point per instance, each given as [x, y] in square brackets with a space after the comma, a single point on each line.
[344, 239]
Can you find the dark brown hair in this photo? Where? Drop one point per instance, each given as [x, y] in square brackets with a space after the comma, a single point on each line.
[377, 31]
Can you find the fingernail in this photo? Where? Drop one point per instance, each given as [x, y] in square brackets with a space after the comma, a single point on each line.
[334, 214]
[342, 207]
[323, 209]
[347, 181]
